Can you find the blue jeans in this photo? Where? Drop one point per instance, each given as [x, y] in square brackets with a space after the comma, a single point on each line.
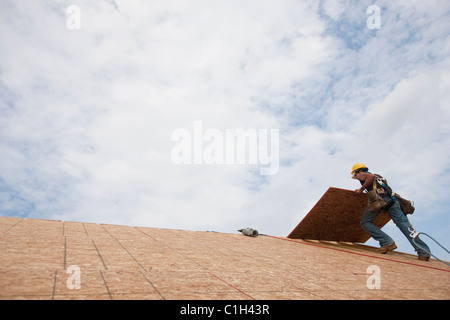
[400, 221]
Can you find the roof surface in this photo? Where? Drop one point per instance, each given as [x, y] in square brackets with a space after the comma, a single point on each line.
[123, 262]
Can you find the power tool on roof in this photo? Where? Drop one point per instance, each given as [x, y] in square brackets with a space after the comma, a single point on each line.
[249, 232]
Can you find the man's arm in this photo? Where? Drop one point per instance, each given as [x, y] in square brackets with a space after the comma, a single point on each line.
[368, 178]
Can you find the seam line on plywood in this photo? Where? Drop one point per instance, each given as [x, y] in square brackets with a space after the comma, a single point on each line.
[153, 286]
[106, 285]
[131, 255]
[54, 285]
[96, 249]
[231, 285]
[6, 232]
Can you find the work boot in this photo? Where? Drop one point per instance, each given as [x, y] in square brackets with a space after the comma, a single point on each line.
[424, 258]
[385, 249]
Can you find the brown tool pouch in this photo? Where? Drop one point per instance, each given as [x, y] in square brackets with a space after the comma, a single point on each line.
[375, 202]
[406, 206]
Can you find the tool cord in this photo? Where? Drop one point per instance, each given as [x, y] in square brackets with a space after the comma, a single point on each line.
[414, 234]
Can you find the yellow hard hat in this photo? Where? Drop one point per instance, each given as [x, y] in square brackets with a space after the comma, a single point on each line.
[357, 166]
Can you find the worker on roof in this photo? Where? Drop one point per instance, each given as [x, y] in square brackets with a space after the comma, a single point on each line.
[370, 181]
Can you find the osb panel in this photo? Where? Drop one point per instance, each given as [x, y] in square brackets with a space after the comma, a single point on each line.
[336, 217]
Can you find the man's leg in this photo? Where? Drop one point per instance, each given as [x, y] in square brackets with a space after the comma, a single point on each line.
[402, 223]
[367, 224]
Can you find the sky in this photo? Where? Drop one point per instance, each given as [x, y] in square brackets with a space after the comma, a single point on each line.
[99, 101]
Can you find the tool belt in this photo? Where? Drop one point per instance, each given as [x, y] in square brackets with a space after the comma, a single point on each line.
[375, 202]
[406, 206]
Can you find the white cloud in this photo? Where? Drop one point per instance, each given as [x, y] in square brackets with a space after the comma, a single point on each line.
[87, 115]
[409, 131]
[335, 8]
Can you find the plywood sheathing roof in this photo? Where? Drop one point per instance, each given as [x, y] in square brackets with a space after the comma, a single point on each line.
[121, 262]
